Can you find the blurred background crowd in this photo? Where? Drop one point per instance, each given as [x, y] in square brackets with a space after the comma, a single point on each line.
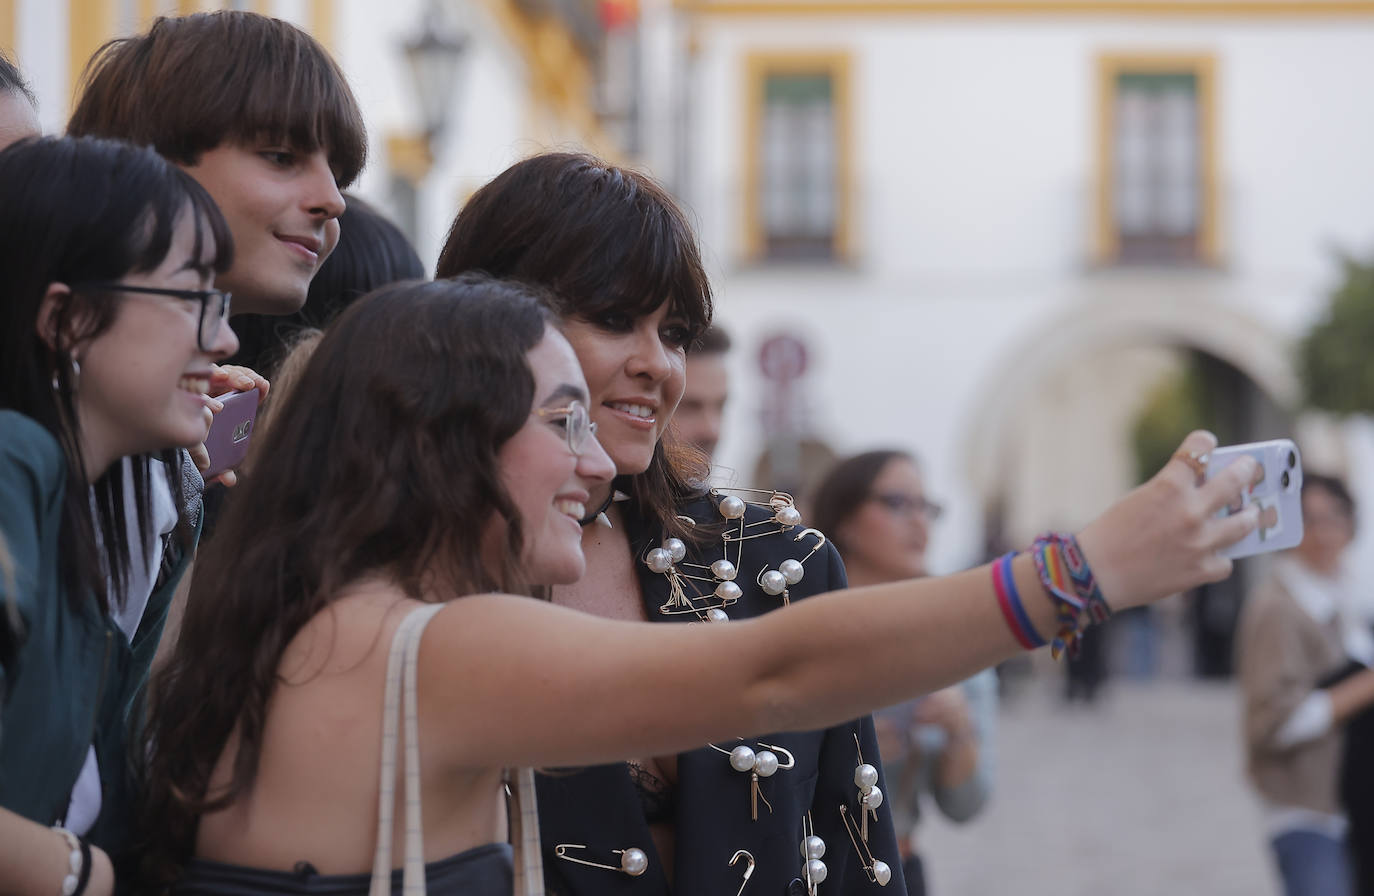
[1024, 245]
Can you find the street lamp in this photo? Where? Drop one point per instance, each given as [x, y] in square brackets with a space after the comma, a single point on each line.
[434, 56]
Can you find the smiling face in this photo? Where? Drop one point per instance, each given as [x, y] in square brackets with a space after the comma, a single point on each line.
[885, 537]
[282, 207]
[550, 485]
[143, 378]
[636, 371]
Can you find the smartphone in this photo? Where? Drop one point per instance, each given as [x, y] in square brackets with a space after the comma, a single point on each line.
[231, 431]
[1278, 494]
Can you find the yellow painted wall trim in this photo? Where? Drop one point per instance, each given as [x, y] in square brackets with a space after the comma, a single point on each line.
[561, 77]
[91, 23]
[1208, 8]
[323, 22]
[838, 65]
[1203, 67]
[9, 25]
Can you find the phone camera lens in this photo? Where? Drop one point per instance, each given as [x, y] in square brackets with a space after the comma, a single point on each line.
[1284, 480]
[1292, 460]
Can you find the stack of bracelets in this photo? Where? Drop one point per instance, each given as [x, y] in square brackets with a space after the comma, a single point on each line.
[1069, 581]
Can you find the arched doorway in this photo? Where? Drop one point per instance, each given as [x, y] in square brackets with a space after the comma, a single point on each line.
[1055, 438]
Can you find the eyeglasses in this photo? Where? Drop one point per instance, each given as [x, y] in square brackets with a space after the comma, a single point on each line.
[576, 421]
[214, 305]
[900, 503]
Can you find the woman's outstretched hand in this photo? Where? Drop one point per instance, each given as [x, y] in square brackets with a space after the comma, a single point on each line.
[1164, 537]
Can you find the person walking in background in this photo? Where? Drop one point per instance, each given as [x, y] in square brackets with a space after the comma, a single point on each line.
[875, 508]
[1297, 632]
[702, 409]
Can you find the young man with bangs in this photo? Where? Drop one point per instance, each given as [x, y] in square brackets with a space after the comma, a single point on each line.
[256, 111]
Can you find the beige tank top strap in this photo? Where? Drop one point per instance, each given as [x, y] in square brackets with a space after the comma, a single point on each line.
[400, 669]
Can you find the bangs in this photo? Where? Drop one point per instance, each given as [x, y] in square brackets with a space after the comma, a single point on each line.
[317, 111]
[642, 255]
[182, 195]
[298, 96]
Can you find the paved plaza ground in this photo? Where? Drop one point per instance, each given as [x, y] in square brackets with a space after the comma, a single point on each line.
[1141, 794]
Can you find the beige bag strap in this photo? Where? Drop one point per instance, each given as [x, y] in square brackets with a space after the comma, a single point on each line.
[405, 650]
[524, 833]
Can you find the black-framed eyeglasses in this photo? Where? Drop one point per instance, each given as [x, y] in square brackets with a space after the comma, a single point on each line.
[214, 305]
[908, 504]
[577, 424]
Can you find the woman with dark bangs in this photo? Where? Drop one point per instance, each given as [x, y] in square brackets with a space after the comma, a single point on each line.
[258, 112]
[625, 271]
[108, 331]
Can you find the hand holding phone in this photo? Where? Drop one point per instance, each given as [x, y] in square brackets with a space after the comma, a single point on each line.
[230, 432]
[1277, 492]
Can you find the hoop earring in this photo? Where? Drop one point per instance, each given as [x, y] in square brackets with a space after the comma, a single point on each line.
[74, 379]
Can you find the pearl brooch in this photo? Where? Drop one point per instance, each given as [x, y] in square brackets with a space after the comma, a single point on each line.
[764, 762]
[633, 861]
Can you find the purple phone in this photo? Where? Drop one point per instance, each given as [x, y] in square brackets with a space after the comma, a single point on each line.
[230, 431]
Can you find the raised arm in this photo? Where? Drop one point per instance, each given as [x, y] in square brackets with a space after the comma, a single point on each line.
[519, 682]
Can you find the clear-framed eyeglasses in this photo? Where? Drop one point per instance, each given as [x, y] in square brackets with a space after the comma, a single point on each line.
[910, 504]
[214, 305]
[576, 421]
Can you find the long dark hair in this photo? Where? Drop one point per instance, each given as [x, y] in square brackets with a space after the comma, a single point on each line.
[73, 210]
[382, 460]
[600, 239]
[193, 82]
[846, 487]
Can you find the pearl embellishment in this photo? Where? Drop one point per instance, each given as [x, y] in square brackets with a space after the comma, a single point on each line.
[773, 582]
[791, 570]
[873, 798]
[728, 591]
[716, 614]
[788, 516]
[816, 870]
[881, 872]
[659, 560]
[676, 549]
[865, 776]
[731, 508]
[634, 862]
[813, 847]
[766, 763]
[725, 570]
[742, 758]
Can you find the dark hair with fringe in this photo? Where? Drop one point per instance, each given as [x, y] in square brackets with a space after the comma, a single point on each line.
[602, 240]
[383, 460]
[194, 82]
[74, 210]
[846, 487]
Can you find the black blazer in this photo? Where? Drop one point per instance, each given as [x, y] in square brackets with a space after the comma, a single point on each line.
[600, 808]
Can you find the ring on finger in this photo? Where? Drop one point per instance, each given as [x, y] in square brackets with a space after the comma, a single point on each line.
[1196, 461]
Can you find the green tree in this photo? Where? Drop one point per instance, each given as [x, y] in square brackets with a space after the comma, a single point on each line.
[1334, 358]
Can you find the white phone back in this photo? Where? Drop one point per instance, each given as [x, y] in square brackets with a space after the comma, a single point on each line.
[1278, 495]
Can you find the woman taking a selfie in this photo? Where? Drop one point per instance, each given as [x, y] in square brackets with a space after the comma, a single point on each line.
[108, 331]
[437, 447]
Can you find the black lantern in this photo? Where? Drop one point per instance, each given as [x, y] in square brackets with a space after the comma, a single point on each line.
[434, 56]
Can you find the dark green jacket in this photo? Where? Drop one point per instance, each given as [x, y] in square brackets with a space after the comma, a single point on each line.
[74, 679]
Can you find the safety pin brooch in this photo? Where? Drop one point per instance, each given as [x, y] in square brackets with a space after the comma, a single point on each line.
[748, 868]
[633, 862]
[878, 871]
[761, 763]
